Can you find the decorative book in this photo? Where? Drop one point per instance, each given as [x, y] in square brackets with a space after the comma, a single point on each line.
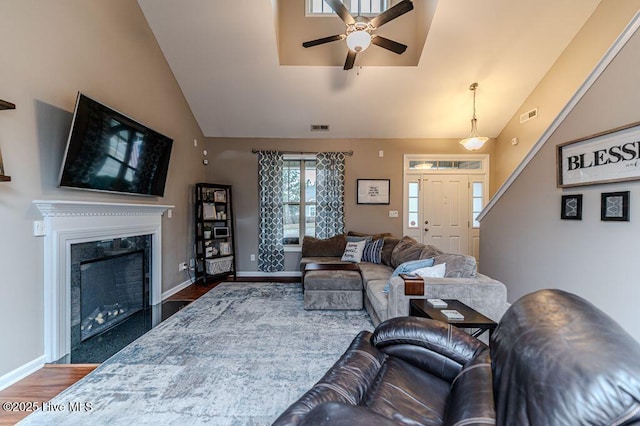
[437, 303]
[452, 314]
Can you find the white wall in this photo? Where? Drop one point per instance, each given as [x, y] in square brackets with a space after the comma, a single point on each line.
[50, 51]
[526, 245]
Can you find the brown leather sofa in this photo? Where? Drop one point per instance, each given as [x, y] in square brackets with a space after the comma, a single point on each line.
[555, 360]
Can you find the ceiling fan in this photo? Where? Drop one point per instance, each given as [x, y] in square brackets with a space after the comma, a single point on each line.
[359, 29]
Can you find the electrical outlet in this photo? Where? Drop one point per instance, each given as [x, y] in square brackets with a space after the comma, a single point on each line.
[253, 257]
[182, 266]
[393, 213]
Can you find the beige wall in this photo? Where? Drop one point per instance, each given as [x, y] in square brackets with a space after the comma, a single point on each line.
[559, 84]
[526, 245]
[231, 162]
[50, 51]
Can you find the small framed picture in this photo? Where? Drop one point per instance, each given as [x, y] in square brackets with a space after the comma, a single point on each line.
[373, 191]
[571, 207]
[615, 206]
[220, 196]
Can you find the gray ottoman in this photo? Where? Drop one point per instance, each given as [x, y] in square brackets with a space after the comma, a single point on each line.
[333, 289]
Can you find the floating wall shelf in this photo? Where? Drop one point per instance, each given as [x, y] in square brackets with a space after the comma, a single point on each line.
[6, 105]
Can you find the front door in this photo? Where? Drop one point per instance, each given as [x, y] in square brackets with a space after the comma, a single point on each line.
[443, 196]
[446, 220]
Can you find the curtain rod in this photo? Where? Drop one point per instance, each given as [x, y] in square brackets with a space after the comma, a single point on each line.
[255, 151]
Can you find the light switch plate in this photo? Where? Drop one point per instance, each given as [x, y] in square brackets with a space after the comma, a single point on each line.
[393, 213]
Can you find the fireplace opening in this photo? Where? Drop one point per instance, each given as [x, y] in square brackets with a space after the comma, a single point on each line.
[112, 289]
[110, 296]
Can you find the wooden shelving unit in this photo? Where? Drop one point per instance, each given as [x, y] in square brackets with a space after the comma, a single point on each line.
[214, 232]
[5, 105]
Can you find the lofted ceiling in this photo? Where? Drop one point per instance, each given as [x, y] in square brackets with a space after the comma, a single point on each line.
[225, 56]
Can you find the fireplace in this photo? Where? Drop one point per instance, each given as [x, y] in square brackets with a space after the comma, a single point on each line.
[74, 223]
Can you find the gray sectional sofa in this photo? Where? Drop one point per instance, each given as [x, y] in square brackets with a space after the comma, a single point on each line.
[461, 281]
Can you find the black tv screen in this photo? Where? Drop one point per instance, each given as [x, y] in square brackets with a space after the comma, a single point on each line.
[108, 151]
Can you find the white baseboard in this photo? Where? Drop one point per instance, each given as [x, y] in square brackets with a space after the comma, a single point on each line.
[269, 274]
[21, 372]
[176, 289]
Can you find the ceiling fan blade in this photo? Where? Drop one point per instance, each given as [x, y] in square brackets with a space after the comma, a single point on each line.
[324, 40]
[392, 13]
[351, 59]
[341, 11]
[391, 45]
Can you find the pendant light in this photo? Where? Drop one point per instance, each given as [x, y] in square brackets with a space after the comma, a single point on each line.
[474, 142]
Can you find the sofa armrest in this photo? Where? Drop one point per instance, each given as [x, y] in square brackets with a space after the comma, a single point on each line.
[433, 346]
[482, 293]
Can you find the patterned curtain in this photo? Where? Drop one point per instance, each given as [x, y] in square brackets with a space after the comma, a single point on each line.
[270, 247]
[329, 194]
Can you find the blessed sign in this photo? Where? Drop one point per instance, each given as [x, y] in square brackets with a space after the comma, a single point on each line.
[607, 157]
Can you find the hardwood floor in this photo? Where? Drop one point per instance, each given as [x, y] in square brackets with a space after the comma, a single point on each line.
[41, 386]
[19, 400]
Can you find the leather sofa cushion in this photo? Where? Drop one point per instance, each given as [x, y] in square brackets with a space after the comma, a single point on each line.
[316, 247]
[408, 395]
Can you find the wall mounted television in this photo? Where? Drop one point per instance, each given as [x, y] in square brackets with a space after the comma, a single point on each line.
[108, 151]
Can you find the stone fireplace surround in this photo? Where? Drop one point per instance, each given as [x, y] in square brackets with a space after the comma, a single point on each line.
[73, 222]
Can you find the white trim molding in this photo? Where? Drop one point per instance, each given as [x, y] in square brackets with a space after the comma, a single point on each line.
[21, 372]
[615, 48]
[74, 222]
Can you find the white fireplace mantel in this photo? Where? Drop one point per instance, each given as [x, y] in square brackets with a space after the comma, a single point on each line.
[74, 222]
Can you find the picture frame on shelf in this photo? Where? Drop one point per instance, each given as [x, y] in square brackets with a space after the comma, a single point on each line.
[220, 196]
[373, 191]
[571, 207]
[225, 249]
[614, 206]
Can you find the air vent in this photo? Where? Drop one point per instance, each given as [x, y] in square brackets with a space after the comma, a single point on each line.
[319, 127]
[529, 115]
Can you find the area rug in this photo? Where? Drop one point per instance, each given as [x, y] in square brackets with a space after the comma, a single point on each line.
[239, 355]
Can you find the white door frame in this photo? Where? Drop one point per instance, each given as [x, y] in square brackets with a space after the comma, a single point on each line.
[475, 175]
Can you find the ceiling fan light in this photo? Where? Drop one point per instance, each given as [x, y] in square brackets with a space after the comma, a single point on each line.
[359, 40]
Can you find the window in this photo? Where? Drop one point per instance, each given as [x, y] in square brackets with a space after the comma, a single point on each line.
[299, 199]
[445, 165]
[477, 198]
[356, 7]
[413, 210]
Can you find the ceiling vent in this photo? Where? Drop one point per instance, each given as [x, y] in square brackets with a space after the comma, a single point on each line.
[319, 127]
[529, 115]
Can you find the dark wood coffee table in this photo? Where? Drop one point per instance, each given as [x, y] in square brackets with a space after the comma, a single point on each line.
[472, 318]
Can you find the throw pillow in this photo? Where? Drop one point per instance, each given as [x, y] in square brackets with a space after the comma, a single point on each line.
[355, 239]
[330, 247]
[387, 248]
[436, 271]
[459, 265]
[407, 249]
[373, 251]
[408, 267]
[353, 251]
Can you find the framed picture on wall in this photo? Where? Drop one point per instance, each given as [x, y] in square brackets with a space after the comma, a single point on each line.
[615, 206]
[373, 191]
[571, 207]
